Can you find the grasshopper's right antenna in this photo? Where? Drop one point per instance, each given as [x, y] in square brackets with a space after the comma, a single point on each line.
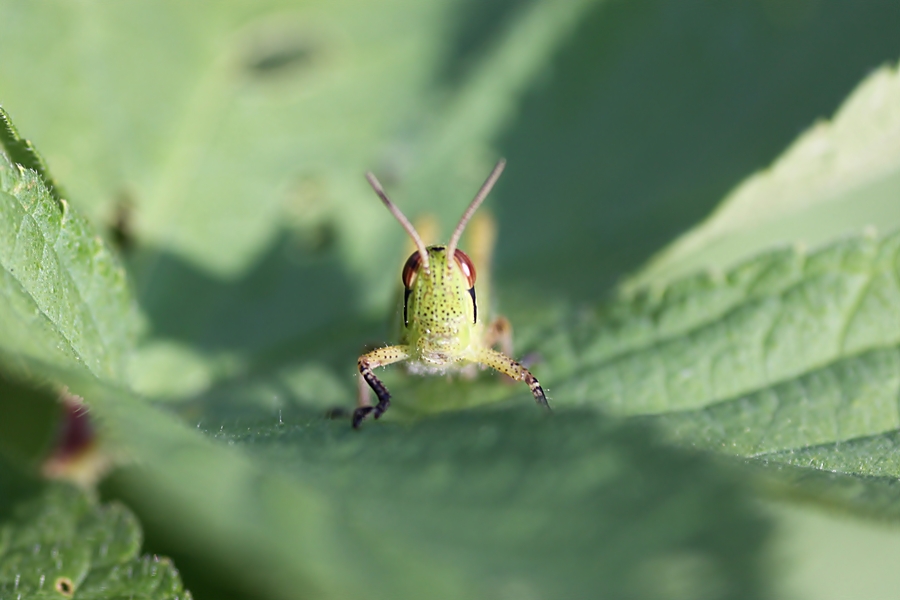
[473, 206]
[420, 246]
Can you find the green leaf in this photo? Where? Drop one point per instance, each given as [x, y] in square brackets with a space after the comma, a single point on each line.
[790, 358]
[468, 504]
[61, 544]
[771, 320]
[262, 306]
[253, 109]
[65, 298]
[841, 176]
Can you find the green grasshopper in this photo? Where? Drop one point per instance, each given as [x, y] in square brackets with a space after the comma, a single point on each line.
[441, 330]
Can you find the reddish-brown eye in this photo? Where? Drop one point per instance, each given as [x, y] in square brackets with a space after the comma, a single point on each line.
[410, 269]
[468, 269]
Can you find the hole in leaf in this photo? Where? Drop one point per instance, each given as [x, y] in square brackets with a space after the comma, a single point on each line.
[281, 58]
[280, 54]
[121, 222]
[64, 586]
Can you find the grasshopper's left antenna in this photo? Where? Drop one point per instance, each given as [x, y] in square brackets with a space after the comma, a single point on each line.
[420, 246]
[473, 206]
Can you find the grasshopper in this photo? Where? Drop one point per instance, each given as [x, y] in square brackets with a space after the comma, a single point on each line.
[441, 329]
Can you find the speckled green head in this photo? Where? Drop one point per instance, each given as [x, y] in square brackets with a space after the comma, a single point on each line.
[440, 308]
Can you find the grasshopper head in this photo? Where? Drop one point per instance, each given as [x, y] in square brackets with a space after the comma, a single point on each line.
[439, 305]
[439, 308]
[441, 298]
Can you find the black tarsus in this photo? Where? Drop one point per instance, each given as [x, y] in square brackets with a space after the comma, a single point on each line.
[384, 397]
[537, 391]
[360, 414]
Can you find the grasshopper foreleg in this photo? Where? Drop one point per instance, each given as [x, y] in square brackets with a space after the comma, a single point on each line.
[372, 360]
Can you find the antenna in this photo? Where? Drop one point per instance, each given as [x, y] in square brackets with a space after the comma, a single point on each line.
[473, 206]
[420, 246]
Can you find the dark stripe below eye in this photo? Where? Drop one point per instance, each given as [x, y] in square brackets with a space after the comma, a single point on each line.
[406, 294]
[474, 305]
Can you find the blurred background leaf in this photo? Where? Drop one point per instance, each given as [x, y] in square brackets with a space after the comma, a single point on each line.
[654, 112]
[224, 148]
[839, 176]
[238, 138]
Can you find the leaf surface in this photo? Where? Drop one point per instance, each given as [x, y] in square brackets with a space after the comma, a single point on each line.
[60, 544]
[840, 176]
[65, 297]
[466, 504]
[263, 268]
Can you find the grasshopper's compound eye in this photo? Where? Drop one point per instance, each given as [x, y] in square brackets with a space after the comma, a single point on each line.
[410, 269]
[468, 269]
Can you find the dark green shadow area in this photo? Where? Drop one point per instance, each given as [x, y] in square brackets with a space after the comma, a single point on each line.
[290, 292]
[30, 421]
[287, 333]
[475, 26]
[16, 486]
[653, 112]
[508, 503]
